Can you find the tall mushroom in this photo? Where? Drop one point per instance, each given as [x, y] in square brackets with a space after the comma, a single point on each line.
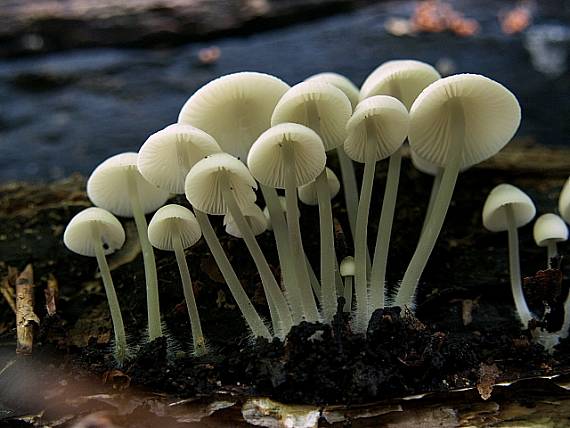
[117, 185]
[456, 122]
[549, 229]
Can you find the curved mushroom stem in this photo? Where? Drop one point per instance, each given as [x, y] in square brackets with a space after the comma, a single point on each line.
[515, 268]
[552, 252]
[118, 326]
[280, 313]
[378, 273]
[432, 195]
[315, 284]
[251, 316]
[310, 312]
[152, 300]
[196, 326]
[349, 187]
[361, 240]
[409, 284]
[348, 285]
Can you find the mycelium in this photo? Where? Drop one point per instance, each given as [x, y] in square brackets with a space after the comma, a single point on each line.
[95, 232]
[174, 228]
[221, 184]
[325, 109]
[117, 185]
[549, 229]
[287, 156]
[376, 130]
[506, 209]
[456, 122]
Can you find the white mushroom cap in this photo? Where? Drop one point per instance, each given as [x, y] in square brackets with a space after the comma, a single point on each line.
[234, 109]
[408, 77]
[564, 202]
[389, 120]
[172, 219]
[549, 227]
[78, 235]
[283, 203]
[108, 187]
[494, 214]
[341, 82]
[254, 217]
[266, 161]
[333, 107]
[492, 116]
[167, 155]
[347, 267]
[308, 192]
[423, 165]
[203, 184]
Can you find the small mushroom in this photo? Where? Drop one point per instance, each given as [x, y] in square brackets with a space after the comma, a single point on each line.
[308, 192]
[174, 228]
[564, 201]
[549, 229]
[254, 217]
[507, 208]
[95, 232]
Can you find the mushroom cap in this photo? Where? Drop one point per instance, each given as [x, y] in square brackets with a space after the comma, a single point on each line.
[564, 201]
[549, 227]
[266, 161]
[494, 214]
[347, 267]
[341, 82]
[423, 165]
[409, 77]
[254, 217]
[234, 109]
[167, 155]
[308, 192]
[204, 184]
[108, 187]
[492, 115]
[78, 235]
[333, 107]
[388, 118]
[172, 219]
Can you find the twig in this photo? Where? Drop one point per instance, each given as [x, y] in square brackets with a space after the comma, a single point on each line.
[26, 319]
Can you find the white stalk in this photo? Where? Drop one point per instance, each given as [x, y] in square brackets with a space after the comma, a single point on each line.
[349, 187]
[432, 195]
[552, 251]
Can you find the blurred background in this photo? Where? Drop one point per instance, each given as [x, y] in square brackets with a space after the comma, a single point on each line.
[81, 80]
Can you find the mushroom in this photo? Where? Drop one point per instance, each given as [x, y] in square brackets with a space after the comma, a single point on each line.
[308, 192]
[220, 184]
[548, 230]
[347, 271]
[456, 122]
[564, 201]
[287, 156]
[117, 185]
[95, 232]
[507, 208]
[254, 217]
[376, 130]
[174, 228]
[325, 109]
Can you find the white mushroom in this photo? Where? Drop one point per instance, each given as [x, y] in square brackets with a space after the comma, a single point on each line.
[549, 229]
[254, 217]
[308, 192]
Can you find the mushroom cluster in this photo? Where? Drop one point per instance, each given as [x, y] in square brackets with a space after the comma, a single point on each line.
[249, 134]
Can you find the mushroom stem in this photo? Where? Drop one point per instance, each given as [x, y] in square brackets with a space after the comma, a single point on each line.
[315, 284]
[310, 312]
[552, 252]
[251, 316]
[409, 284]
[116, 317]
[197, 335]
[378, 273]
[348, 286]
[152, 300]
[515, 268]
[349, 187]
[280, 313]
[361, 240]
[433, 194]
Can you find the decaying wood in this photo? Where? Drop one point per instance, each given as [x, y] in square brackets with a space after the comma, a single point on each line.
[7, 287]
[51, 294]
[26, 319]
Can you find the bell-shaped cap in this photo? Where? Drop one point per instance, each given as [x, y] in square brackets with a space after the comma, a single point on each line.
[234, 109]
[173, 219]
[167, 155]
[564, 202]
[494, 213]
[308, 192]
[332, 108]
[423, 165]
[491, 114]
[388, 120]
[78, 235]
[266, 161]
[341, 82]
[108, 186]
[347, 266]
[403, 79]
[549, 228]
[253, 216]
[204, 184]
